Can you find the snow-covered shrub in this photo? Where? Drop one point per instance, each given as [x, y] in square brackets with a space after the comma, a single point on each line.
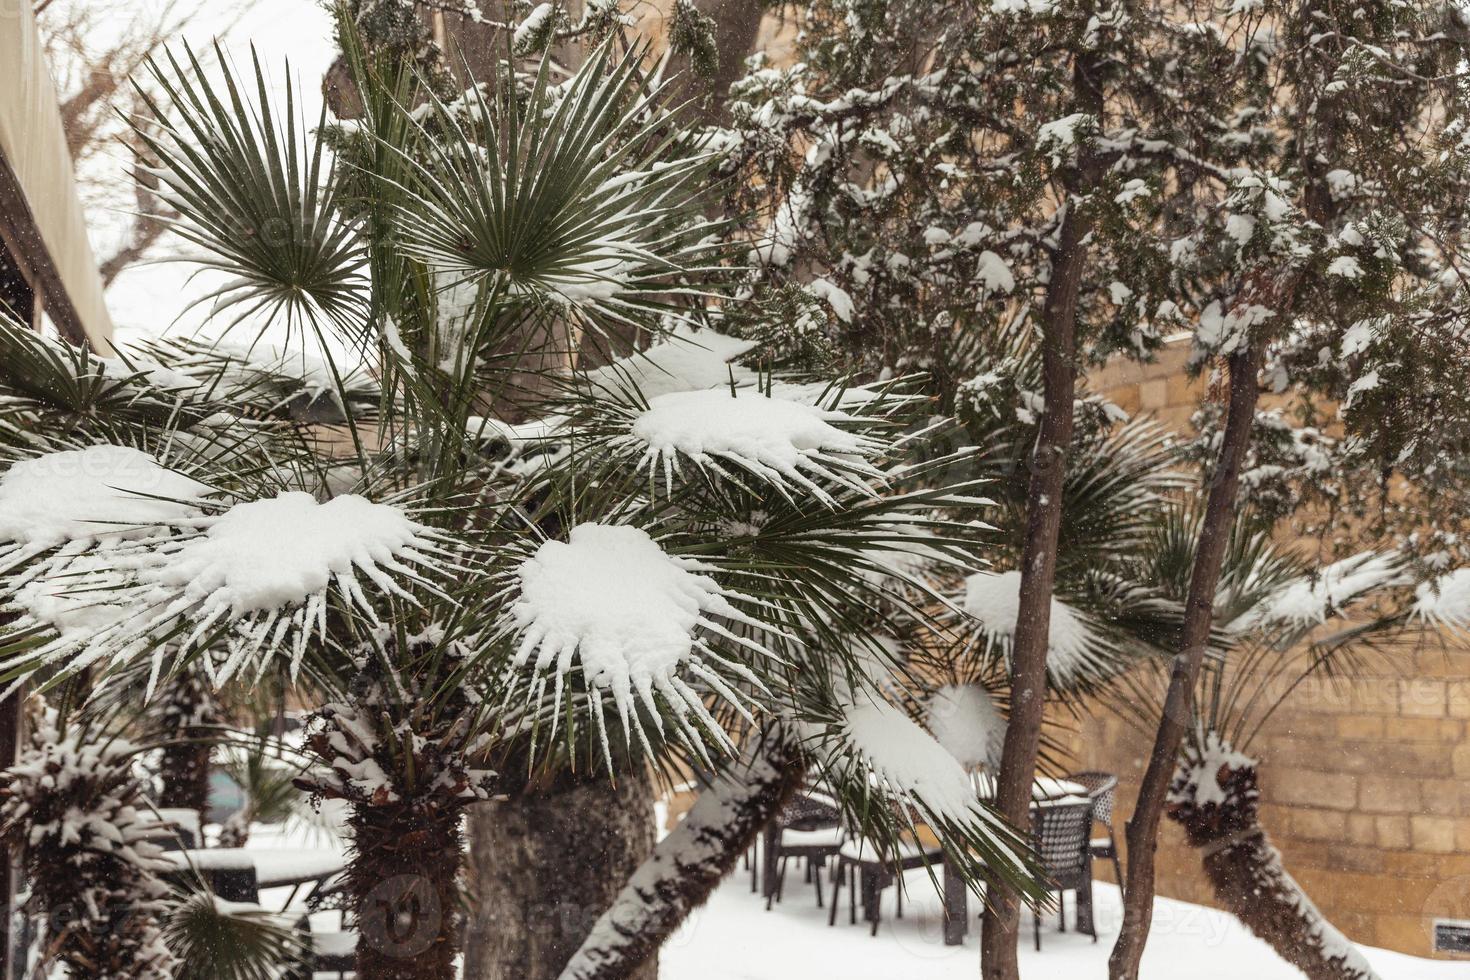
[74, 804]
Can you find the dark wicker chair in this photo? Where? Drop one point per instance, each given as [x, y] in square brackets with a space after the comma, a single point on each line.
[1061, 830]
[868, 871]
[809, 828]
[1102, 788]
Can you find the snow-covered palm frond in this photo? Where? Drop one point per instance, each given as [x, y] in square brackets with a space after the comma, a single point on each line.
[1078, 649]
[965, 720]
[780, 441]
[884, 767]
[261, 377]
[683, 361]
[42, 379]
[580, 201]
[234, 586]
[1326, 593]
[256, 191]
[611, 614]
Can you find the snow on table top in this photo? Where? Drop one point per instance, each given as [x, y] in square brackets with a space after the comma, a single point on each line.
[1042, 788]
[97, 493]
[274, 866]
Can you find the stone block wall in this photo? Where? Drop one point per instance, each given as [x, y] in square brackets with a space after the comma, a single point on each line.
[1365, 782]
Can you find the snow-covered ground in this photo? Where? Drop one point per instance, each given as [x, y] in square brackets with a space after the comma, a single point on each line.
[734, 938]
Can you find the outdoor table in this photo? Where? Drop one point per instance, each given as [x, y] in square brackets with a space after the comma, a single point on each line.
[957, 895]
[272, 867]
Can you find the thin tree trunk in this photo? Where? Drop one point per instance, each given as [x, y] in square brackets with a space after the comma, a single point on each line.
[687, 865]
[403, 879]
[545, 864]
[1038, 574]
[1216, 798]
[1143, 827]
[737, 26]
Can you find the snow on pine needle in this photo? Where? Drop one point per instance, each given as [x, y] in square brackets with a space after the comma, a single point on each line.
[1445, 601]
[1074, 647]
[259, 575]
[780, 441]
[640, 623]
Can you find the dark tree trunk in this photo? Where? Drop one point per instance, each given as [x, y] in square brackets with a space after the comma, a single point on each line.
[1143, 826]
[1246, 870]
[1043, 525]
[184, 772]
[403, 879]
[545, 864]
[737, 26]
[188, 716]
[1038, 574]
[688, 864]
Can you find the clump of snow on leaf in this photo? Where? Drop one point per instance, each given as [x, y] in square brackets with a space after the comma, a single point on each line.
[1204, 773]
[686, 361]
[632, 615]
[777, 439]
[90, 495]
[1312, 601]
[965, 720]
[1446, 600]
[909, 760]
[269, 553]
[260, 573]
[994, 600]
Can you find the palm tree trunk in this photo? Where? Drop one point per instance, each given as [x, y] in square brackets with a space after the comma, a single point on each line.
[545, 864]
[686, 866]
[1215, 798]
[403, 879]
[184, 772]
[1143, 827]
[188, 712]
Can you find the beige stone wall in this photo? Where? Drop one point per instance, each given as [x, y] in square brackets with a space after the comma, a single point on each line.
[1365, 783]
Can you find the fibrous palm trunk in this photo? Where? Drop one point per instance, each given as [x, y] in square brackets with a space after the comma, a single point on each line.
[403, 880]
[188, 713]
[1215, 798]
[545, 863]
